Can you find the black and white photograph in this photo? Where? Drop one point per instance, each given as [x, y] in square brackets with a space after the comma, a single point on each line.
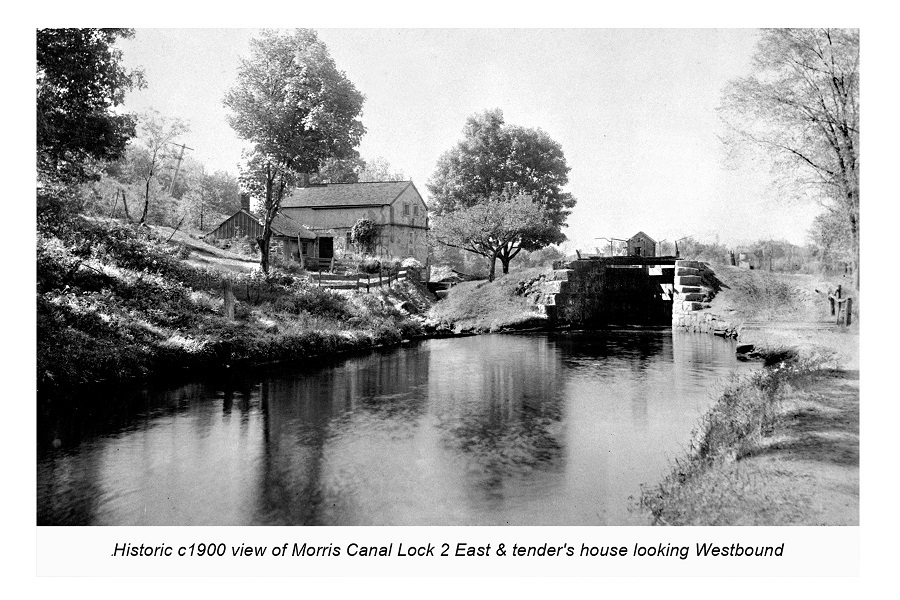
[471, 276]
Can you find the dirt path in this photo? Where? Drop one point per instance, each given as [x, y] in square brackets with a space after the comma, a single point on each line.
[807, 471]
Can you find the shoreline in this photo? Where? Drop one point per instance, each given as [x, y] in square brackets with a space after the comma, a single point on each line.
[778, 447]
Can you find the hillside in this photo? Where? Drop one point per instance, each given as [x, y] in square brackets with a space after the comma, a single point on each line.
[115, 302]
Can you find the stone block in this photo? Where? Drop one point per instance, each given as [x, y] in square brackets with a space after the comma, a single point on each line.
[690, 289]
[686, 271]
[691, 306]
[688, 264]
[561, 275]
[687, 280]
[694, 297]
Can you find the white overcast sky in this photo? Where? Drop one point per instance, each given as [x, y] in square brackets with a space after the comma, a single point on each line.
[634, 111]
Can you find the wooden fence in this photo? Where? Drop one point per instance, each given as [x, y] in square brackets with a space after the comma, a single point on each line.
[357, 281]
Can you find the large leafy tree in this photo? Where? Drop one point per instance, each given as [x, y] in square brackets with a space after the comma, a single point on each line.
[800, 106]
[497, 162]
[297, 109]
[494, 226]
[80, 81]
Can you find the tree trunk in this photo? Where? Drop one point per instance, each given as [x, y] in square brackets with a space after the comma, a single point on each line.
[854, 232]
[505, 260]
[263, 243]
[125, 205]
[493, 269]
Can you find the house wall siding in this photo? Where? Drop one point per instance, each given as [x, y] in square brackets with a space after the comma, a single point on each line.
[407, 227]
[238, 225]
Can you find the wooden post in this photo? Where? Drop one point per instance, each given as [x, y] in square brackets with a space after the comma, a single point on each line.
[367, 283]
[379, 276]
[848, 309]
[320, 274]
[356, 286]
[228, 295]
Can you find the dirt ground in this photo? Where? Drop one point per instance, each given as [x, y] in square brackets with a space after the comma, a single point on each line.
[805, 471]
[207, 255]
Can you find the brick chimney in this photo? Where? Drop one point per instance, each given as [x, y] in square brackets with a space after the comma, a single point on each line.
[245, 202]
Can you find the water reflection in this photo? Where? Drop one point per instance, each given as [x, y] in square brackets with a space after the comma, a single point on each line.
[488, 430]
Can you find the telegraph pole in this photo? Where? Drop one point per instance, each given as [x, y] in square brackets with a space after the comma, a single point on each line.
[178, 167]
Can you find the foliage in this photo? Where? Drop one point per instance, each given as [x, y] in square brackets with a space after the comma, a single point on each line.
[80, 81]
[355, 169]
[365, 233]
[831, 240]
[498, 225]
[370, 264]
[801, 107]
[297, 109]
[496, 161]
[116, 302]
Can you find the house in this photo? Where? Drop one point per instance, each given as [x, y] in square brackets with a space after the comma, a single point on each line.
[641, 244]
[330, 211]
[290, 238]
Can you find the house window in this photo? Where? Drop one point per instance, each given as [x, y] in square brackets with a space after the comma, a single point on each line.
[405, 209]
[392, 237]
[415, 209]
[392, 214]
[348, 240]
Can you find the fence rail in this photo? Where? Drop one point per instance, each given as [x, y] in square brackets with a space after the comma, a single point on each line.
[357, 281]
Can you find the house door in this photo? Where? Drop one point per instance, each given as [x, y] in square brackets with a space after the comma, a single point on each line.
[326, 247]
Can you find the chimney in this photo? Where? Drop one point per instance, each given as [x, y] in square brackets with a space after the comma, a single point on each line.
[245, 202]
[304, 180]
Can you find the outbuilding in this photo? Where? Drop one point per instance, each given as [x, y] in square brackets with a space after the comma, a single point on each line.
[292, 240]
[641, 244]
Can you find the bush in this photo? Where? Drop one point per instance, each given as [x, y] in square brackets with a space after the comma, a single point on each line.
[369, 264]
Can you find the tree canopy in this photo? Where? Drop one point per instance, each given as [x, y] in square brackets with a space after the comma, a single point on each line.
[80, 80]
[801, 106]
[497, 162]
[295, 106]
[491, 227]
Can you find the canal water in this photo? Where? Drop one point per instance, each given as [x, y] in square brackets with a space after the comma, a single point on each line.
[488, 430]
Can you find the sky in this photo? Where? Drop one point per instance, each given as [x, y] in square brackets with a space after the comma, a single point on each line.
[633, 109]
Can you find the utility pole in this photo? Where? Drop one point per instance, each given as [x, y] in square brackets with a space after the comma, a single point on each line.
[178, 167]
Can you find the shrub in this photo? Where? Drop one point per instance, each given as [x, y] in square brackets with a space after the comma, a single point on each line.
[369, 264]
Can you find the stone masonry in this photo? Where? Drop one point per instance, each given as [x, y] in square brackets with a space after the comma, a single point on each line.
[694, 288]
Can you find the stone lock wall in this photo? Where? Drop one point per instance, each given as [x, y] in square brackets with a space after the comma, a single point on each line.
[695, 286]
[602, 292]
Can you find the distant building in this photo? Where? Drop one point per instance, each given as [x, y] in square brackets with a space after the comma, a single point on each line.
[330, 211]
[641, 244]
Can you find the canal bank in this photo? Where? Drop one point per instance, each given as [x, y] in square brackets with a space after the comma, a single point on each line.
[780, 447]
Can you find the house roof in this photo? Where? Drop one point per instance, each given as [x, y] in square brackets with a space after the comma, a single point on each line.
[333, 195]
[643, 235]
[283, 225]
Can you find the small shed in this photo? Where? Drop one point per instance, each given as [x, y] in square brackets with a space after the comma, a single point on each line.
[641, 244]
[294, 240]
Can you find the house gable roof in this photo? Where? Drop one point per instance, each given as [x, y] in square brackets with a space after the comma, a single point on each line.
[340, 195]
[641, 234]
[283, 225]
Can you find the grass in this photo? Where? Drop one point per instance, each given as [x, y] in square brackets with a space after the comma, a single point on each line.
[480, 306]
[115, 302]
[765, 452]
[755, 295]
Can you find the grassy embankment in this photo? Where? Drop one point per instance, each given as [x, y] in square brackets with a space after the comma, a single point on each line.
[482, 306]
[781, 446]
[114, 303]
